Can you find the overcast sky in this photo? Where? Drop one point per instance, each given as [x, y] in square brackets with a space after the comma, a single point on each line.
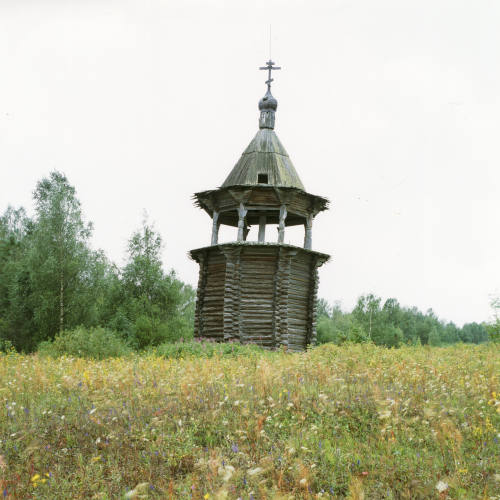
[390, 109]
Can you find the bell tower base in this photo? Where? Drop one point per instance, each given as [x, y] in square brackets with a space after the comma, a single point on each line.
[261, 293]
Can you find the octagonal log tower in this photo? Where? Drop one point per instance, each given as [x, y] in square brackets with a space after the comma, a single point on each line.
[260, 292]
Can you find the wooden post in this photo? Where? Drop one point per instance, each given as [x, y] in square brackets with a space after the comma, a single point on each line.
[262, 229]
[200, 295]
[308, 234]
[246, 230]
[215, 228]
[281, 227]
[242, 212]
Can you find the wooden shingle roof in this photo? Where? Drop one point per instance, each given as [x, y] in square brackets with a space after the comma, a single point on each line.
[264, 155]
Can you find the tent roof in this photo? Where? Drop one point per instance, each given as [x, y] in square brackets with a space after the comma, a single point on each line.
[265, 155]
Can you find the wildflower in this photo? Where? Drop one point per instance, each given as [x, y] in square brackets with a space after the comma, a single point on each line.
[234, 447]
[206, 496]
[441, 486]
[256, 471]
[429, 413]
[138, 492]
[226, 472]
[96, 459]
[35, 478]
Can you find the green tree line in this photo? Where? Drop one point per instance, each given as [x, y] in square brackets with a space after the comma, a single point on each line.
[53, 283]
[390, 324]
[51, 280]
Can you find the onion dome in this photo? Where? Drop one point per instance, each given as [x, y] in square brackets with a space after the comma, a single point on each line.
[268, 102]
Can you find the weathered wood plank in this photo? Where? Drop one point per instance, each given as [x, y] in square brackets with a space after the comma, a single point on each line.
[257, 293]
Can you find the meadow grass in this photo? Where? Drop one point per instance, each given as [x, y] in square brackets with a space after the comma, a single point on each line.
[354, 421]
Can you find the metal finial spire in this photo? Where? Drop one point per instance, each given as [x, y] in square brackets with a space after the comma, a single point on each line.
[270, 67]
[268, 104]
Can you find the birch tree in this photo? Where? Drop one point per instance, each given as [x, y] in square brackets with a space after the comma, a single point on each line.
[58, 255]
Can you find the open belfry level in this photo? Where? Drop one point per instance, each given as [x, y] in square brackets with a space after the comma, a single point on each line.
[260, 292]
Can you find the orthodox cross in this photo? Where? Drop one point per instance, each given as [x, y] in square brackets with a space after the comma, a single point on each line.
[270, 67]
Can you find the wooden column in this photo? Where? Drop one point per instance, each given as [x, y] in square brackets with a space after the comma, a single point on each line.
[215, 228]
[281, 227]
[242, 213]
[281, 299]
[232, 293]
[308, 234]
[200, 295]
[313, 300]
[262, 229]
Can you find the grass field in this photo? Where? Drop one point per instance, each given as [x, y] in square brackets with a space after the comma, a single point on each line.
[352, 421]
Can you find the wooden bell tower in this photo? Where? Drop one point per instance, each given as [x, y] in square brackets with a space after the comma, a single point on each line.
[260, 292]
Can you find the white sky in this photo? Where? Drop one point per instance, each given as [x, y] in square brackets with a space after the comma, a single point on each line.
[390, 109]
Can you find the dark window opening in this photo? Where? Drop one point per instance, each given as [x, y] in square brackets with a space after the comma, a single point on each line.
[262, 179]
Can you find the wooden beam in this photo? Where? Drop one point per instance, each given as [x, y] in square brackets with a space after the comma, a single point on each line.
[262, 229]
[281, 227]
[308, 232]
[242, 212]
[215, 228]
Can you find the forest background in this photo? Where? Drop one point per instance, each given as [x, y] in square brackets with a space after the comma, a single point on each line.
[56, 292]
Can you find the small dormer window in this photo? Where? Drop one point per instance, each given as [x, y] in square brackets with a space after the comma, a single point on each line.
[262, 179]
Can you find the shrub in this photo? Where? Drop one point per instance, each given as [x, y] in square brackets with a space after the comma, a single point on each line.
[326, 331]
[151, 332]
[392, 336]
[96, 343]
[357, 334]
[206, 349]
[6, 346]
[494, 331]
[434, 338]
[340, 330]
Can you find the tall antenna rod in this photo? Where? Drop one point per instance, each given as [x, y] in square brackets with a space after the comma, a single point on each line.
[270, 31]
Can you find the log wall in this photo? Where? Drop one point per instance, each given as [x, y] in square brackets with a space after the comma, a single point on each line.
[211, 297]
[258, 293]
[258, 267]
